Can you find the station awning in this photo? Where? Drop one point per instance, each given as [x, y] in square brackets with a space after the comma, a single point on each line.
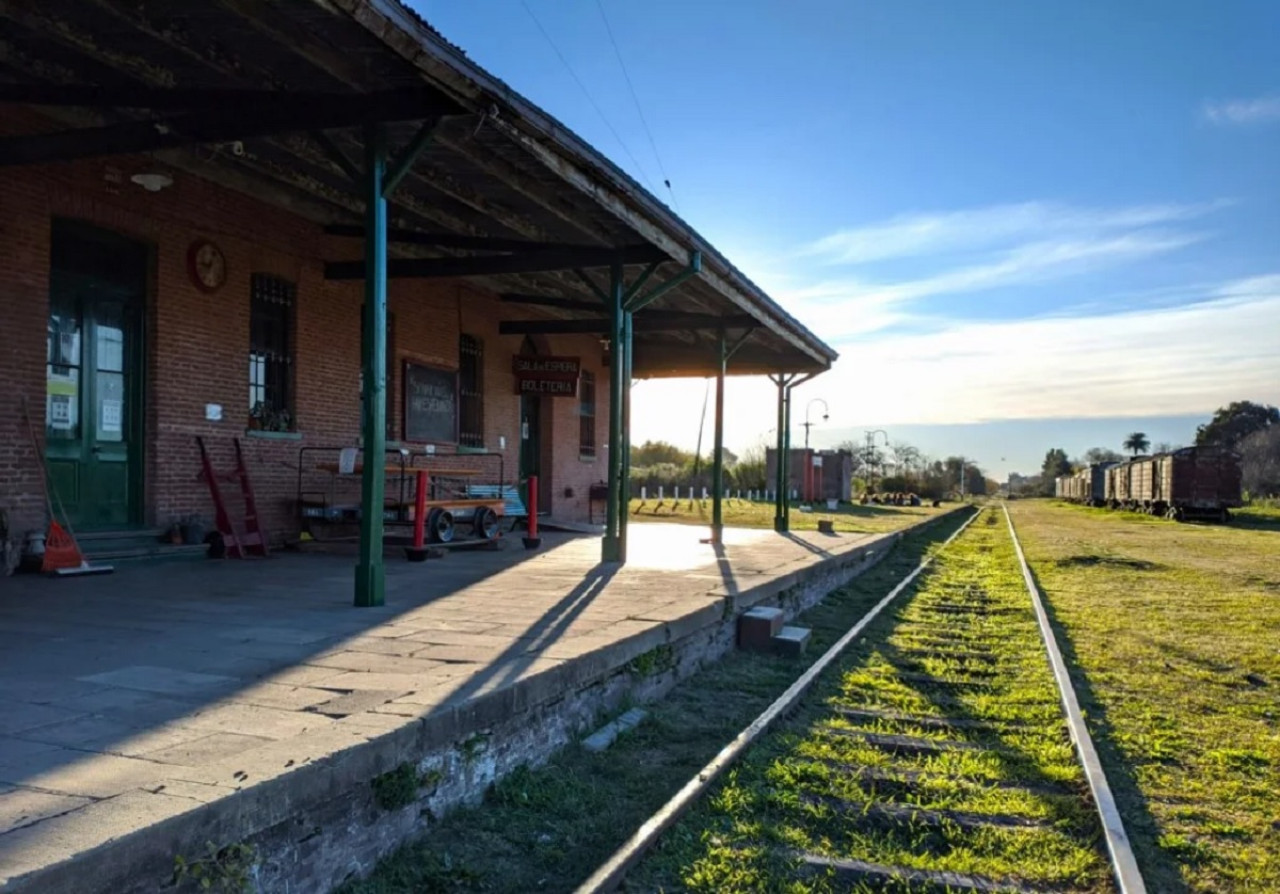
[270, 98]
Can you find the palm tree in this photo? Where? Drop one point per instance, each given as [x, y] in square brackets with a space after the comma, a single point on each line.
[1137, 442]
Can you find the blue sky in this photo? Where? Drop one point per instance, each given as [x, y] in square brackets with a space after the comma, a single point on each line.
[997, 212]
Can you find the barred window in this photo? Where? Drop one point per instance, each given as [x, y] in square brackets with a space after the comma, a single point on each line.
[272, 302]
[587, 416]
[470, 391]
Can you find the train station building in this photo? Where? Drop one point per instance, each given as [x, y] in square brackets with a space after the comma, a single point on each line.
[311, 226]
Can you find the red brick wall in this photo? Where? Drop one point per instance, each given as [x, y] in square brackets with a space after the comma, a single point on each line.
[197, 343]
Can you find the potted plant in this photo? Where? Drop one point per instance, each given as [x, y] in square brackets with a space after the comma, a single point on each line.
[264, 417]
[192, 528]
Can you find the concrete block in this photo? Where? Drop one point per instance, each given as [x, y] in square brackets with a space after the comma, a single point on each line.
[791, 642]
[608, 734]
[757, 626]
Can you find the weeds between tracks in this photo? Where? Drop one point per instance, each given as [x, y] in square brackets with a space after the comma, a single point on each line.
[937, 746]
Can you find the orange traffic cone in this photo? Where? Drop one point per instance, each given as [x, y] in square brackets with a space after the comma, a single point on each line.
[60, 551]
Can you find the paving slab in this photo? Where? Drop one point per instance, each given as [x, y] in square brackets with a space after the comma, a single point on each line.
[132, 699]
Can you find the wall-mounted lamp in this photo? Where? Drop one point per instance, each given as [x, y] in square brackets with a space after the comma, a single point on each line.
[152, 182]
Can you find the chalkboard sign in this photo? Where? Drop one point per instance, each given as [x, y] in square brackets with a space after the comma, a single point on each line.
[430, 404]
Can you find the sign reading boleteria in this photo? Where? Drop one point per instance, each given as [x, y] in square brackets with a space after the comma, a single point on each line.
[552, 376]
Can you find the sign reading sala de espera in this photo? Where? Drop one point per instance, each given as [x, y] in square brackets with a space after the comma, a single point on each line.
[553, 376]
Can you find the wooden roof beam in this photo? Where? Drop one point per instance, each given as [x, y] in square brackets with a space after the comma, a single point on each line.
[495, 265]
[653, 321]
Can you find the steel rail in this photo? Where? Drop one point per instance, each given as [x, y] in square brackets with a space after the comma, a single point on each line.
[1123, 862]
[613, 870]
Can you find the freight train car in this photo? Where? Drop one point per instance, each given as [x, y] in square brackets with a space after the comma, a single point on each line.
[1119, 490]
[1087, 485]
[1195, 482]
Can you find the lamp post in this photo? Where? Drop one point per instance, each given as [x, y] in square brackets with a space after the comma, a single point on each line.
[826, 414]
[871, 446]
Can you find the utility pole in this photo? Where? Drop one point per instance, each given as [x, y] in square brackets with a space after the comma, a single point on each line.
[871, 455]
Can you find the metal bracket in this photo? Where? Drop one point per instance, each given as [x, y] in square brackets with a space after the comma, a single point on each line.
[636, 302]
[397, 169]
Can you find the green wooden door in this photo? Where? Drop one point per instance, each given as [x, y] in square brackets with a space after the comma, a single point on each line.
[93, 409]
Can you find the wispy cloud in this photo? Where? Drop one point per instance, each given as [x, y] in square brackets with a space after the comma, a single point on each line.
[1157, 361]
[1243, 111]
[1164, 360]
[844, 307]
[916, 235]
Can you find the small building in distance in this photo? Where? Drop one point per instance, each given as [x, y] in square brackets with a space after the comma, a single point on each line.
[814, 474]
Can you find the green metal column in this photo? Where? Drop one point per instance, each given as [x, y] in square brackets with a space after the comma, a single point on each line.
[624, 486]
[610, 550]
[717, 463]
[784, 462]
[370, 573]
[779, 482]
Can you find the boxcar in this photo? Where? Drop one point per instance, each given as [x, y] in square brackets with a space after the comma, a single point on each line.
[1196, 482]
[1092, 486]
[1119, 490]
[1142, 483]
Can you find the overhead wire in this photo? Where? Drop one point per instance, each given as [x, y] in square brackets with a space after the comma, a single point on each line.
[587, 93]
[635, 98]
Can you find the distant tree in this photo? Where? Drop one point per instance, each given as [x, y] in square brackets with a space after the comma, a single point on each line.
[1235, 422]
[1165, 447]
[652, 453]
[1260, 462]
[1136, 442]
[729, 457]
[1055, 464]
[750, 469]
[1102, 455]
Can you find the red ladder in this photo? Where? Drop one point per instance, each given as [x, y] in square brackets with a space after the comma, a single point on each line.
[252, 541]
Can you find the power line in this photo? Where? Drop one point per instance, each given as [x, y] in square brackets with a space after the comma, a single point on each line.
[587, 93]
[636, 99]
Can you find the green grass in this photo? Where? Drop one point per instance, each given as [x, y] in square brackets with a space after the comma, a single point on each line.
[1176, 633]
[816, 786]
[1262, 514]
[746, 514]
[547, 829]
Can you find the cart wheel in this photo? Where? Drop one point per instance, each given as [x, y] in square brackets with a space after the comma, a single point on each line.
[485, 524]
[442, 526]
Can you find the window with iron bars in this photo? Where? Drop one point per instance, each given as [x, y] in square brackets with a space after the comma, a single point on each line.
[272, 302]
[470, 391]
[587, 416]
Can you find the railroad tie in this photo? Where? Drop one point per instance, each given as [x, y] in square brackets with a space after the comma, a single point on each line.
[921, 778]
[911, 744]
[921, 720]
[910, 815]
[858, 872]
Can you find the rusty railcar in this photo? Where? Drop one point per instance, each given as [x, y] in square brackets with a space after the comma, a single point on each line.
[1091, 484]
[1118, 489]
[1196, 482]
[1143, 487]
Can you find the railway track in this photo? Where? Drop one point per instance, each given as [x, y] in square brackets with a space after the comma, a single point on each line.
[932, 748]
